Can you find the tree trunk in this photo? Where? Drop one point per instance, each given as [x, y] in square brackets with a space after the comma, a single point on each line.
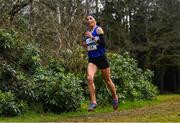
[58, 14]
[97, 11]
[31, 18]
[87, 6]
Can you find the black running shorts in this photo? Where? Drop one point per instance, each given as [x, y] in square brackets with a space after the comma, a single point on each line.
[101, 62]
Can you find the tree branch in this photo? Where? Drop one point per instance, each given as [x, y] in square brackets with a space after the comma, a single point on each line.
[17, 7]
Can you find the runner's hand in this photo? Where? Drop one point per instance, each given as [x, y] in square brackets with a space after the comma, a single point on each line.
[88, 34]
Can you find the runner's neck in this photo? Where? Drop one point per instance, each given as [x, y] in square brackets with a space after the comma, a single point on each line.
[92, 29]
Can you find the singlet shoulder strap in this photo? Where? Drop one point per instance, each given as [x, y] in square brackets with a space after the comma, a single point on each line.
[95, 30]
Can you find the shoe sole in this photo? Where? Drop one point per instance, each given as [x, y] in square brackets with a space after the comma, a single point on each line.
[91, 109]
[115, 107]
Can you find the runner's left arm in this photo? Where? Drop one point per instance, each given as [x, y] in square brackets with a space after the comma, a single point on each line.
[100, 33]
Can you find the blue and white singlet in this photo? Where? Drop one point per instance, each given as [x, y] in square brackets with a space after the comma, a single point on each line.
[94, 50]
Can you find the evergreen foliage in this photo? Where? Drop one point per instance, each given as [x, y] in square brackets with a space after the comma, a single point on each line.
[41, 59]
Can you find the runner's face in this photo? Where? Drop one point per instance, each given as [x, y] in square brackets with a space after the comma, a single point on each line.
[91, 21]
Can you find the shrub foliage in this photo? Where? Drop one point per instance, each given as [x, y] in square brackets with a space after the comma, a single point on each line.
[9, 106]
[133, 82]
[28, 78]
[28, 75]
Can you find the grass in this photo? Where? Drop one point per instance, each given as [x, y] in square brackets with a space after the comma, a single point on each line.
[33, 116]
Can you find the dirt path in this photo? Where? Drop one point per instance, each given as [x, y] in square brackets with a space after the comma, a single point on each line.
[166, 111]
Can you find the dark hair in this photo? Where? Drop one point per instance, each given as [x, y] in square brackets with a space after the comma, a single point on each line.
[94, 16]
[98, 23]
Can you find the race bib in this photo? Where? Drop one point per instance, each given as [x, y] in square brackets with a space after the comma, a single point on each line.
[91, 47]
[89, 41]
[91, 44]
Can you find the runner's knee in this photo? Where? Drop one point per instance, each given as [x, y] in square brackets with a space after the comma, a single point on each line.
[90, 79]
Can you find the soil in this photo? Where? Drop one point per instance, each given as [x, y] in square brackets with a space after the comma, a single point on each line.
[165, 111]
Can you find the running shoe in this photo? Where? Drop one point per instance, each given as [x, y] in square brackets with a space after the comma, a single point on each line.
[115, 103]
[92, 106]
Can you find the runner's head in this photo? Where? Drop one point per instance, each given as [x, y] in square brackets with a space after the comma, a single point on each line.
[91, 20]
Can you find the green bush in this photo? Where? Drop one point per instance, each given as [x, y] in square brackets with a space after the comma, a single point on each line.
[30, 57]
[33, 76]
[49, 84]
[16, 81]
[58, 91]
[6, 40]
[74, 60]
[7, 76]
[133, 82]
[9, 106]
[102, 91]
